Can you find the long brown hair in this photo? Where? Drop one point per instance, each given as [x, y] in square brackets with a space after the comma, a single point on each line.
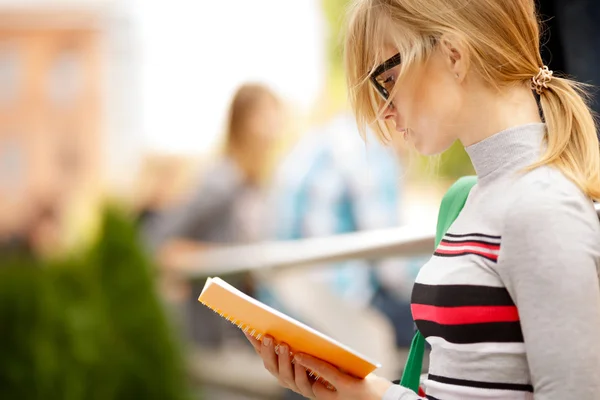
[245, 103]
[503, 37]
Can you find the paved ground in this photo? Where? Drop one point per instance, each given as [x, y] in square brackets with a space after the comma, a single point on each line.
[216, 393]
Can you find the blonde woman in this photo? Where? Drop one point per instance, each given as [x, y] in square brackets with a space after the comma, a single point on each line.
[515, 314]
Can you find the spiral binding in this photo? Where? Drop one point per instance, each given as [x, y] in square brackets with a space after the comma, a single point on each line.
[258, 336]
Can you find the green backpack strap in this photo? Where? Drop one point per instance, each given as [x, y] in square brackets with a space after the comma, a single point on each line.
[451, 206]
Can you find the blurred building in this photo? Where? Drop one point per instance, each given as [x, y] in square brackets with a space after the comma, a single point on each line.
[65, 97]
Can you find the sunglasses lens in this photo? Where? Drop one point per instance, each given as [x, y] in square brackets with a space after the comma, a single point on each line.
[382, 91]
[385, 94]
[379, 81]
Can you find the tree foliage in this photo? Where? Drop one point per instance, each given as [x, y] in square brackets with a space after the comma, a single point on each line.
[90, 327]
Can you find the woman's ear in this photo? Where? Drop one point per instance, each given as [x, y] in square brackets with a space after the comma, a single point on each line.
[456, 55]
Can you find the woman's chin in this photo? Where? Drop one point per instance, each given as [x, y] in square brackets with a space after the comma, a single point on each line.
[428, 148]
[423, 147]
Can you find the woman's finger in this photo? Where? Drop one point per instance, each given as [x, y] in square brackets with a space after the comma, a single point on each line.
[267, 352]
[303, 383]
[325, 393]
[286, 369]
[322, 369]
[255, 343]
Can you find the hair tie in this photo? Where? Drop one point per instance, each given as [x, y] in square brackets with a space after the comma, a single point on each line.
[540, 81]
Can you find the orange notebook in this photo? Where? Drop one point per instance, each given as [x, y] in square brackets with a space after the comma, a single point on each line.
[258, 319]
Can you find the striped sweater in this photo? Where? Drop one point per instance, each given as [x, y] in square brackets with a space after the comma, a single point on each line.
[510, 300]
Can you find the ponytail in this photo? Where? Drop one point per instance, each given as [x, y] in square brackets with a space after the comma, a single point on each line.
[573, 145]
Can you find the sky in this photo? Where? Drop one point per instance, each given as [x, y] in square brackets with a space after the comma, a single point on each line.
[193, 55]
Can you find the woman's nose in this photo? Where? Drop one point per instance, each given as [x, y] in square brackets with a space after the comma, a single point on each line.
[387, 111]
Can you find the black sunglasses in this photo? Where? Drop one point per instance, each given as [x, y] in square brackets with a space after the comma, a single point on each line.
[387, 65]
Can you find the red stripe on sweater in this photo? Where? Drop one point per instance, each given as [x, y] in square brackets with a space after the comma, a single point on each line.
[467, 251]
[472, 244]
[465, 315]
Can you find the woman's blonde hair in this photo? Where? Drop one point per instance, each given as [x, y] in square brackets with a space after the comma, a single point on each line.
[503, 38]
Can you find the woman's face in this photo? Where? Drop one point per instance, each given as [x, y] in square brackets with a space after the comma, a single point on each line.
[427, 103]
[265, 122]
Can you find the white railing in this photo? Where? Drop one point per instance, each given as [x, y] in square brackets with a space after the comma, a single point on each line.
[402, 241]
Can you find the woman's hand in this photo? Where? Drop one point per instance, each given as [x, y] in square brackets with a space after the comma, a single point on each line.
[294, 376]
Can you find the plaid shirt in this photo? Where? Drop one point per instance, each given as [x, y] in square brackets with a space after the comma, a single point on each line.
[333, 183]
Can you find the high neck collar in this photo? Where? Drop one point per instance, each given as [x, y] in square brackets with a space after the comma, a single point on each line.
[508, 150]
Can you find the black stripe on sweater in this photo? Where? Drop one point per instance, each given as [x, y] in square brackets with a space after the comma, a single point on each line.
[482, 385]
[460, 295]
[489, 332]
[466, 253]
[462, 241]
[450, 235]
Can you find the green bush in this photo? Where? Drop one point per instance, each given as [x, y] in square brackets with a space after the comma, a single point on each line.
[90, 327]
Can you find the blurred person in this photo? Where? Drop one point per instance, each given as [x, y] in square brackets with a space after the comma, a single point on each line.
[510, 300]
[40, 237]
[333, 182]
[226, 206]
